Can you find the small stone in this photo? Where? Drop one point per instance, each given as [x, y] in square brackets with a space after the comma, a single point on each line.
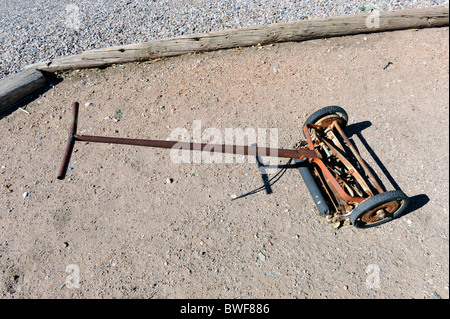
[169, 181]
[262, 256]
[25, 194]
[88, 104]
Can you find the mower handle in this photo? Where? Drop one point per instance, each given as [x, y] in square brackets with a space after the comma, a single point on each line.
[70, 142]
[302, 154]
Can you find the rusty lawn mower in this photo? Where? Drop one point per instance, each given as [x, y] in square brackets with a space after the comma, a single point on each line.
[340, 182]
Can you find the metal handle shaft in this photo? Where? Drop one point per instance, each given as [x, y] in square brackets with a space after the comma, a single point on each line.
[213, 148]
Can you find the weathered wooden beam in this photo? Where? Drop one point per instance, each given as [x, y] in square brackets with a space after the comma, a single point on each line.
[16, 87]
[266, 34]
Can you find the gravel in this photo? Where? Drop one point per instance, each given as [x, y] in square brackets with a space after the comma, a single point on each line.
[34, 31]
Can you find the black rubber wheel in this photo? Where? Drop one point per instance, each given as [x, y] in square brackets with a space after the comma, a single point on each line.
[379, 209]
[324, 116]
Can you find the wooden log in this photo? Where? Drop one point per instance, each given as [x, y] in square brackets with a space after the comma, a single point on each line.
[266, 34]
[16, 87]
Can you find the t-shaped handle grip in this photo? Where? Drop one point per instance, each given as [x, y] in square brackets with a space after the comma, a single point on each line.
[70, 142]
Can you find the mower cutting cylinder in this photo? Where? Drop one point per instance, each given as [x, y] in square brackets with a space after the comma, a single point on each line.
[349, 186]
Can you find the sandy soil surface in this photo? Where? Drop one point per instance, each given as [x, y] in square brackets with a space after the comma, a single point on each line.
[128, 222]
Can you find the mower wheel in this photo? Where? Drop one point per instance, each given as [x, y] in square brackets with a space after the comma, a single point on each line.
[326, 115]
[379, 209]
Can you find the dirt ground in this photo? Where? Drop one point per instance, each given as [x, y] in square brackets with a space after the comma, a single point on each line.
[128, 222]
